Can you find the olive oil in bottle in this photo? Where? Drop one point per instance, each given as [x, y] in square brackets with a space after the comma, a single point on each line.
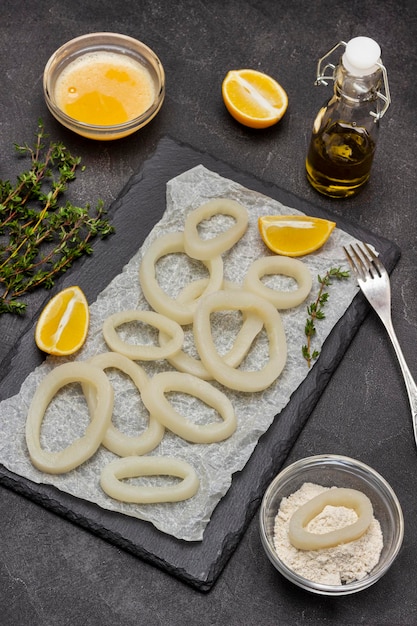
[339, 159]
[345, 131]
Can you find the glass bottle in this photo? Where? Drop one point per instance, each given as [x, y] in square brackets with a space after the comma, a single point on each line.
[345, 130]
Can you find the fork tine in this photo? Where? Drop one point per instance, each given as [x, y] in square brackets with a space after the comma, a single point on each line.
[350, 260]
[355, 262]
[364, 262]
[375, 260]
[362, 259]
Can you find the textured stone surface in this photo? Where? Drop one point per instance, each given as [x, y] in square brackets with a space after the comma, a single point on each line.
[54, 572]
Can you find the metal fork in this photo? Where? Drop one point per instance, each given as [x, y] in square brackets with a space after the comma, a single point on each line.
[373, 279]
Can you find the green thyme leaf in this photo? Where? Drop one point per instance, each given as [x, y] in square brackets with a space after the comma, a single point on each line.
[315, 310]
[39, 238]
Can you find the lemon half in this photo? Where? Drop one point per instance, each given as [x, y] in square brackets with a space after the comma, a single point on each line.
[253, 98]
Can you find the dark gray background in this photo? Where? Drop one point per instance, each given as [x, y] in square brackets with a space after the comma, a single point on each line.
[53, 572]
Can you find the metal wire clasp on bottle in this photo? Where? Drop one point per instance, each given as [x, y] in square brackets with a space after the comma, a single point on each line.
[323, 78]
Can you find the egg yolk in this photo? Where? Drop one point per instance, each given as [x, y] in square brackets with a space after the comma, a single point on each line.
[104, 89]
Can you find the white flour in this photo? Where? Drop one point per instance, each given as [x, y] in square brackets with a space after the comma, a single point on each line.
[331, 566]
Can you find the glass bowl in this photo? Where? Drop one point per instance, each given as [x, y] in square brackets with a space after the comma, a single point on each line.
[335, 471]
[108, 42]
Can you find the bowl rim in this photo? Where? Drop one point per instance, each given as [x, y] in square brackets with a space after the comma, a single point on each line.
[321, 588]
[100, 129]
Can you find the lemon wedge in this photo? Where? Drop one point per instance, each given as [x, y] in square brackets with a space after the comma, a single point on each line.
[294, 235]
[254, 99]
[63, 323]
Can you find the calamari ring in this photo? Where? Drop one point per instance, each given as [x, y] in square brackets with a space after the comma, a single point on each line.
[155, 295]
[204, 249]
[183, 361]
[153, 397]
[134, 466]
[83, 448]
[251, 326]
[279, 265]
[186, 363]
[239, 380]
[192, 291]
[114, 440]
[143, 352]
[351, 499]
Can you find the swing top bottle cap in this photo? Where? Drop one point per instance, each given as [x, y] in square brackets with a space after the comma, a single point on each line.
[362, 56]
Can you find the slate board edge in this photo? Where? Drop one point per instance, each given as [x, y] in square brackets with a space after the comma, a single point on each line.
[200, 564]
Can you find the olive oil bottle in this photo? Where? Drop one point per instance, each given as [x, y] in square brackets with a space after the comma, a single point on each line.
[345, 130]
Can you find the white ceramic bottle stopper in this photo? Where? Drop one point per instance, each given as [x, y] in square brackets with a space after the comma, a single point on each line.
[362, 56]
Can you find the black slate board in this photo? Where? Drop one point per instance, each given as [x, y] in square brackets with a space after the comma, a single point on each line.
[140, 205]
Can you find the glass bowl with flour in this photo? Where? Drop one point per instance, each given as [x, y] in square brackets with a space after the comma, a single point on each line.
[327, 492]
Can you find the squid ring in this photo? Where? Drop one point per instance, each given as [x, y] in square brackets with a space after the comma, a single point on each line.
[351, 499]
[186, 363]
[114, 440]
[239, 380]
[251, 326]
[183, 361]
[192, 291]
[83, 448]
[279, 265]
[143, 352]
[153, 397]
[156, 296]
[134, 466]
[204, 249]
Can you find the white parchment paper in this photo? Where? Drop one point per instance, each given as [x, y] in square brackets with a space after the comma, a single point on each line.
[67, 416]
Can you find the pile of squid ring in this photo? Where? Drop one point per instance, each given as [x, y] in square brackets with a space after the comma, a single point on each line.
[194, 305]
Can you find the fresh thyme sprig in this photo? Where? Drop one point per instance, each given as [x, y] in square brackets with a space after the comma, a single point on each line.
[315, 310]
[39, 238]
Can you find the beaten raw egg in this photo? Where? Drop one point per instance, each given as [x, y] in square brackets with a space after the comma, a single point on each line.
[104, 88]
[104, 85]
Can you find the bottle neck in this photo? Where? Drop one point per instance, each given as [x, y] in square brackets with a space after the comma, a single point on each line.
[357, 89]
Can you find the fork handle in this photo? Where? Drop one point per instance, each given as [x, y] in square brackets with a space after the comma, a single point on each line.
[408, 379]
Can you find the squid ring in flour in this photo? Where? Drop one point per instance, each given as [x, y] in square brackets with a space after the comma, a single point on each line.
[279, 265]
[204, 249]
[135, 466]
[302, 539]
[239, 380]
[153, 397]
[84, 447]
[155, 295]
[115, 440]
[143, 352]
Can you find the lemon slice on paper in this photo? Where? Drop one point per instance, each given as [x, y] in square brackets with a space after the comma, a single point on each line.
[63, 323]
[253, 98]
[294, 235]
